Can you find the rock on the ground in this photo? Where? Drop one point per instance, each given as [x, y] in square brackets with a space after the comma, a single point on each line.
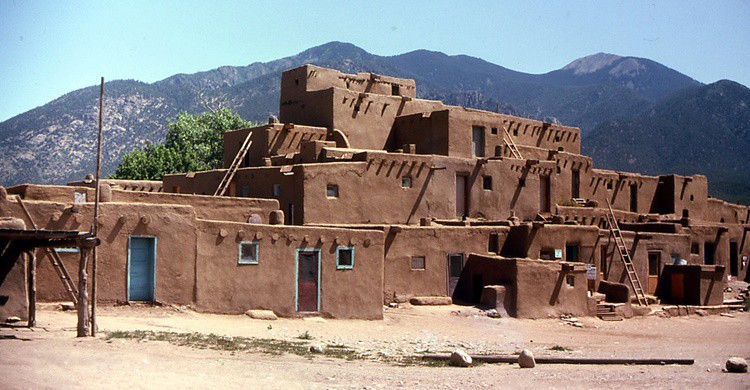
[736, 364]
[701, 312]
[493, 313]
[12, 320]
[262, 315]
[526, 359]
[431, 301]
[460, 358]
[317, 348]
[65, 306]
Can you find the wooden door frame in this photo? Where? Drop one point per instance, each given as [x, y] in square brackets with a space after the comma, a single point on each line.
[127, 281]
[448, 269]
[296, 278]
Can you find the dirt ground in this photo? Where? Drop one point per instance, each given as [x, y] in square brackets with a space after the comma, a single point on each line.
[49, 356]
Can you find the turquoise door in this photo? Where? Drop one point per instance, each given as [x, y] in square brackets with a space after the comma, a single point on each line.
[141, 262]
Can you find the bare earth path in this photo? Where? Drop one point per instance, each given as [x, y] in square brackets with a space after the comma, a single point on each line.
[51, 357]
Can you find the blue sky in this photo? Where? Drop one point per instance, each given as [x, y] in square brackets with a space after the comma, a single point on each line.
[49, 48]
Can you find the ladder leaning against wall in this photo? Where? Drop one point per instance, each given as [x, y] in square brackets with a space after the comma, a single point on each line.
[511, 144]
[627, 261]
[229, 175]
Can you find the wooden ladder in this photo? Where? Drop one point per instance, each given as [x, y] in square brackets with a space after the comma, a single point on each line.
[55, 259]
[229, 175]
[627, 261]
[511, 144]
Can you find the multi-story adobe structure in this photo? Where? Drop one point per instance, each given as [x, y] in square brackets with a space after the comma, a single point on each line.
[360, 194]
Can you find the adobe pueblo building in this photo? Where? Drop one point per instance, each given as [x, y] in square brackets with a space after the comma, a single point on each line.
[360, 194]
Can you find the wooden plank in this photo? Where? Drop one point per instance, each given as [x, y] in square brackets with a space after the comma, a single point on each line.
[570, 360]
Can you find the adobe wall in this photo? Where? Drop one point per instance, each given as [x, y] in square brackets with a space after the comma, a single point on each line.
[718, 210]
[206, 207]
[306, 78]
[541, 134]
[699, 285]
[269, 140]
[14, 300]
[539, 289]
[52, 193]
[225, 286]
[127, 185]
[172, 225]
[434, 243]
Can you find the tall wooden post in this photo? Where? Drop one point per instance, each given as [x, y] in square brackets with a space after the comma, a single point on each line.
[83, 293]
[32, 287]
[95, 228]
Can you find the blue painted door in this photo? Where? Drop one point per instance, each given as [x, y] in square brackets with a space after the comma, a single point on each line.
[141, 268]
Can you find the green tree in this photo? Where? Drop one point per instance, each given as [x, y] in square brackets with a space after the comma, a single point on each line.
[193, 143]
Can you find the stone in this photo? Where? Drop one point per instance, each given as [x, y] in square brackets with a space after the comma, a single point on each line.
[317, 348]
[701, 312]
[526, 359]
[431, 301]
[492, 313]
[65, 306]
[736, 364]
[12, 320]
[267, 315]
[459, 358]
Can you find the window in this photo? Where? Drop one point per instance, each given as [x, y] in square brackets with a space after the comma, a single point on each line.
[494, 130]
[332, 191]
[487, 183]
[406, 182]
[248, 252]
[277, 190]
[547, 254]
[675, 258]
[417, 262]
[692, 198]
[345, 258]
[570, 280]
[522, 182]
[695, 248]
[609, 185]
[245, 192]
[395, 90]
[515, 132]
[571, 252]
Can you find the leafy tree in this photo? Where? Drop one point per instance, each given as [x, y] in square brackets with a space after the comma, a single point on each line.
[193, 143]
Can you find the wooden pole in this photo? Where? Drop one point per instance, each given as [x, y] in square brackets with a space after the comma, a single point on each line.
[83, 293]
[32, 288]
[95, 228]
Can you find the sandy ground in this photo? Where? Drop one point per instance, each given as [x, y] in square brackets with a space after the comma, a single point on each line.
[51, 357]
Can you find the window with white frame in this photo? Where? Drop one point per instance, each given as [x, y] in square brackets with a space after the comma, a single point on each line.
[248, 252]
[344, 258]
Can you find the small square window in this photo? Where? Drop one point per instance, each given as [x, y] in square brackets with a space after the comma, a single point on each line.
[332, 191]
[494, 130]
[692, 198]
[248, 252]
[277, 190]
[487, 183]
[515, 132]
[395, 90]
[406, 182]
[345, 258]
[570, 280]
[695, 248]
[417, 263]
[609, 185]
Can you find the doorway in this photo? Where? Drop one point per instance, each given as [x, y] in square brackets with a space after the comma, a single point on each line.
[544, 195]
[734, 261]
[575, 184]
[462, 206]
[477, 141]
[308, 280]
[634, 198]
[455, 267]
[571, 252]
[708, 253]
[654, 270]
[141, 268]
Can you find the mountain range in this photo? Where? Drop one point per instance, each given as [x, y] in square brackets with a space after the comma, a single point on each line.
[635, 114]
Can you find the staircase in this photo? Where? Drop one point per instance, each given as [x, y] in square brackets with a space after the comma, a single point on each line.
[511, 144]
[229, 175]
[606, 311]
[627, 262]
[55, 259]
